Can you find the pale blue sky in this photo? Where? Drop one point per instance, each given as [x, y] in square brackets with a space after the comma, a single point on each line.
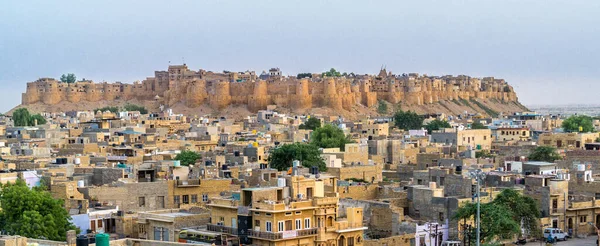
[549, 50]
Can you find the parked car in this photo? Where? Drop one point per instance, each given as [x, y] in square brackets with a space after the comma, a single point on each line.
[556, 234]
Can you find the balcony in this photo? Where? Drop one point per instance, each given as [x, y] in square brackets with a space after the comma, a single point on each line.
[223, 229]
[282, 235]
[188, 183]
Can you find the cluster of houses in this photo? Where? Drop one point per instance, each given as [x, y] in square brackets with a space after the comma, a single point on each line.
[118, 174]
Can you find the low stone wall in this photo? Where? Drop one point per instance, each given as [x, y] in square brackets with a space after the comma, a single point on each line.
[402, 240]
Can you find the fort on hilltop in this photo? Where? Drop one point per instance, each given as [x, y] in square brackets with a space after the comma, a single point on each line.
[180, 85]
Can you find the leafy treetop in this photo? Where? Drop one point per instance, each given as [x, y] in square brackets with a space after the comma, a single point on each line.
[436, 124]
[544, 153]
[311, 124]
[382, 107]
[68, 78]
[502, 218]
[22, 117]
[33, 213]
[304, 75]
[578, 123]
[309, 155]
[187, 157]
[332, 73]
[477, 125]
[408, 120]
[133, 107]
[329, 136]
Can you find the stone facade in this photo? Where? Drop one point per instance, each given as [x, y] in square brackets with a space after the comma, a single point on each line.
[219, 90]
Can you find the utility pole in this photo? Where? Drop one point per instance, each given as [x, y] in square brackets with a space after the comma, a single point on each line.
[478, 213]
[478, 175]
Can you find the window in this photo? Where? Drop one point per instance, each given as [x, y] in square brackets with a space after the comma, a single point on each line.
[307, 223]
[161, 234]
[582, 219]
[160, 202]
[221, 219]
[99, 223]
[269, 226]
[298, 224]
[186, 199]
[257, 223]
[350, 241]
[280, 226]
[176, 200]
[141, 201]
[298, 212]
[288, 213]
[204, 197]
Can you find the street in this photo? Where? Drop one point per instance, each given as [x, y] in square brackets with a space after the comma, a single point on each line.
[589, 241]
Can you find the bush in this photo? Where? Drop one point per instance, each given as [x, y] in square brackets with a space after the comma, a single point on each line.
[133, 107]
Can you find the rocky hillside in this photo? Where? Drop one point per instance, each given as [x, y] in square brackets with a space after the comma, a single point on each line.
[489, 107]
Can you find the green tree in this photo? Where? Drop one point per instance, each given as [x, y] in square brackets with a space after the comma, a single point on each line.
[68, 78]
[544, 153]
[408, 120]
[309, 155]
[311, 124]
[37, 119]
[477, 125]
[22, 117]
[524, 210]
[329, 136]
[436, 124]
[502, 218]
[304, 75]
[133, 107]
[382, 107]
[331, 73]
[187, 157]
[33, 213]
[578, 123]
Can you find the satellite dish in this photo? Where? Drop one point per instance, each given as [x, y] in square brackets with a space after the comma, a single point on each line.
[461, 127]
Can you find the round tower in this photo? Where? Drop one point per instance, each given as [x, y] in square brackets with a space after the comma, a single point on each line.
[329, 87]
[259, 98]
[222, 95]
[73, 94]
[196, 93]
[52, 95]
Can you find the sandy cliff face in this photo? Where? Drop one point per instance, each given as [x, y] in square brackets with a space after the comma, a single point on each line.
[208, 93]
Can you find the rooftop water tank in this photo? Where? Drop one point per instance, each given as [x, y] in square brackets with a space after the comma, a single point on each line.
[102, 239]
[281, 182]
